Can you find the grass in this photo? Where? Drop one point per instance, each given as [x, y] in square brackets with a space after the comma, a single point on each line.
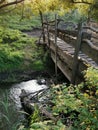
[22, 24]
[18, 51]
[38, 65]
[8, 115]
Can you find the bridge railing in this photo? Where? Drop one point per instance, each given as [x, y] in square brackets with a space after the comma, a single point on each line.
[70, 36]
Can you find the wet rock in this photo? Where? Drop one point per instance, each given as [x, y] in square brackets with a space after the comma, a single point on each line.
[41, 81]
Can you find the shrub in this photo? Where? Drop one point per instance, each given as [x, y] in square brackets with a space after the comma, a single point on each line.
[74, 106]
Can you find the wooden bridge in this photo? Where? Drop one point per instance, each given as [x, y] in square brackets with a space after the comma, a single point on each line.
[72, 50]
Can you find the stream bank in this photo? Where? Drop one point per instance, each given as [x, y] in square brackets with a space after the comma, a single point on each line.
[11, 112]
[24, 69]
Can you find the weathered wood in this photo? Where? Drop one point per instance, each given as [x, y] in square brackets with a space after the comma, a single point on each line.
[63, 54]
[48, 36]
[24, 94]
[63, 67]
[56, 46]
[42, 22]
[95, 36]
[28, 105]
[65, 59]
[77, 49]
[69, 39]
[89, 49]
[65, 51]
[47, 114]
[87, 46]
[91, 28]
[72, 33]
[25, 102]
[52, 22]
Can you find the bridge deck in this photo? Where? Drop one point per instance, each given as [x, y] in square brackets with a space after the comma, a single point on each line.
[68, 49]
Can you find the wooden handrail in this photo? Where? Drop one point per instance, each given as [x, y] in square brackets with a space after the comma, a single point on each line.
[91, 28]
[91, 44]
[73, 33]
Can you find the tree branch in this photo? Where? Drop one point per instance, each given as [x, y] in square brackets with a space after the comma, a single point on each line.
[2, 1]
[11, 3]
[81, 2]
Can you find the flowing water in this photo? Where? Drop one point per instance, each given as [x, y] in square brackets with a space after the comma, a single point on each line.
[10, 105]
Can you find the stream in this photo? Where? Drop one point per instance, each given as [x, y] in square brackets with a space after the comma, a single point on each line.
[10, 106]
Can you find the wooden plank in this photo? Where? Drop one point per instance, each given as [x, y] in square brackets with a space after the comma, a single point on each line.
[63, 55]
[68, 71]
[89, 49]
[69, 40]
[88, 61]
[66, 50]
[71, 52]
[73, 33]
[64, 68]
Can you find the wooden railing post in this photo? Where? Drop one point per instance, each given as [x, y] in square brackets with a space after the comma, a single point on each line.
[42, 22]
[56, 46]
[77, 49]
[48, 36]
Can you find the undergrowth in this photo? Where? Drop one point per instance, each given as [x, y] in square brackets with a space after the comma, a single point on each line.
[8, 116]
[74, 107]
[18, 51]
[17, 22]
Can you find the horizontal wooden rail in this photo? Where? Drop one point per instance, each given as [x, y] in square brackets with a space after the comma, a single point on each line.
[89, 49]
[72, 33]
[87, 46]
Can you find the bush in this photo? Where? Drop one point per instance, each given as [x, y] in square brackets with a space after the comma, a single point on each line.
[14, 46]
[73, 106]
[25, 24]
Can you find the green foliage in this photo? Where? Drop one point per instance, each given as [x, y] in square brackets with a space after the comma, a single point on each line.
[88, 117]
[75, 106]
[48, 125]
[24, 24]
[14, 46]
[92, 78]
[17, 22]
[73, 16]
[38, 65]
[7, 114]
[64, 98]
[11, 57]
[17, 50]
[35, 117]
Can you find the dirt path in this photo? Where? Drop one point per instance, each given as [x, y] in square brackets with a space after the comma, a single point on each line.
[35, 32]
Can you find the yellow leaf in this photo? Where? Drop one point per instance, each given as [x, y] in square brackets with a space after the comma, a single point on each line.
[86, 95]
